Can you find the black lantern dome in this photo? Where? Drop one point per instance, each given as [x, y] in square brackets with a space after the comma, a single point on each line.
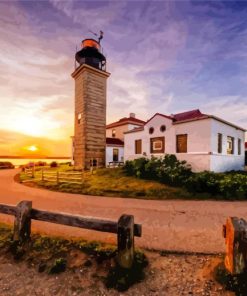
[91, 55]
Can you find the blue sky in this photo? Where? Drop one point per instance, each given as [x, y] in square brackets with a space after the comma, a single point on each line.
[164, 56]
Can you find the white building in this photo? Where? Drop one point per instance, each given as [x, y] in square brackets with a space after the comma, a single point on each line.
[114, 151]
[115, 136]
[204, 141]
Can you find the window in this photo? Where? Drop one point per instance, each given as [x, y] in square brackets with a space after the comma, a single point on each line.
[151, 130]
[162, 128]
[79, 118]
[230, 145]
[138, 146]
[239, 146]
[157, 145]
[114, 133]
[182, 143]
[115, 154]
[219, 143]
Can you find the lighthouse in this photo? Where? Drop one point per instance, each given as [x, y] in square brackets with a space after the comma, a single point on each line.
[90, 105]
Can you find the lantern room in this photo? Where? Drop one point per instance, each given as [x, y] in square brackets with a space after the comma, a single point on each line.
[91, 55]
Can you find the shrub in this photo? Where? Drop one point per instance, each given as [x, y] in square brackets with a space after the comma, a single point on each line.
[53, 164]
[6, 165]
[234, 186]
[129, 168]
[168, 170]
[136, 167]
[203, 182]
[172, 171]
[230, 185]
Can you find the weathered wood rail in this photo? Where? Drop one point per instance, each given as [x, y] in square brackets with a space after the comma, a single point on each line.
[125, 228]
[55, 176]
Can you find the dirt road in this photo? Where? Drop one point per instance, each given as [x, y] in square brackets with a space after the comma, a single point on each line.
[193, 226]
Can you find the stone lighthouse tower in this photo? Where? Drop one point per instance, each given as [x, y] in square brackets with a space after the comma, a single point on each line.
[90, 105]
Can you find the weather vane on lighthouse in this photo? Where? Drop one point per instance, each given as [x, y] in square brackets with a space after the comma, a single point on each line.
[100, 35]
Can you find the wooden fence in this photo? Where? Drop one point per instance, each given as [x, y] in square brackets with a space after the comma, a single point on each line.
[55, 176]
[124, 227]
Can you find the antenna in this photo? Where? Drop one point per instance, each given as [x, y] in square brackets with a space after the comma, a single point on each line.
[101, 35]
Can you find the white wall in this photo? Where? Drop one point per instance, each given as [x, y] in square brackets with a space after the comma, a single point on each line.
[202, 143]
[109, 153]
[198, 141]
[225, 162]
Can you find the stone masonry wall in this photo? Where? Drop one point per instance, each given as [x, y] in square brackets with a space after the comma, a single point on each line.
[90, 102]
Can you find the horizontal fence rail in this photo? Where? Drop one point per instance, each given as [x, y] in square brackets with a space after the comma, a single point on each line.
[55, 176]
[125, 228]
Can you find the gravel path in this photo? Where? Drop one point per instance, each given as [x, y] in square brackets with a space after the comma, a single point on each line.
[193, 226]
[172, 275]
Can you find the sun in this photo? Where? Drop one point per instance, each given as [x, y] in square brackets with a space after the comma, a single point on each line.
[32, 148]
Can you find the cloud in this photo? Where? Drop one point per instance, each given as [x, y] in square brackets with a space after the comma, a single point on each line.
[232, 108]
[163, 57]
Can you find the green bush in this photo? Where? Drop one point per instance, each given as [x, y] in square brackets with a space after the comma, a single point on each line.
[172, 171]
[168, 170]
[230, 185]
[136, 167]
[203, 182]
[234, 186]
[6, 165]
[53, 164]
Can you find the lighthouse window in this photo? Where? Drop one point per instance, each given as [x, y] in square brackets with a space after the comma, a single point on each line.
[79, 118]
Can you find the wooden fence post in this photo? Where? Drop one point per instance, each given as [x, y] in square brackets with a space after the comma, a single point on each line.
[42, 175]
[57, 177]
[22, 224]
[234, 232]
[33, 172]
[125, 235]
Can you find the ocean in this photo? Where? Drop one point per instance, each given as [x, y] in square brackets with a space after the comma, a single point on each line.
[20, 161]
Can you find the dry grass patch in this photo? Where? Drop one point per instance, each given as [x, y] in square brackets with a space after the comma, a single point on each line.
[111, 182]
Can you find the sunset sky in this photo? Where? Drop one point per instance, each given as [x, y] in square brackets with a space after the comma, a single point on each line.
[163, 57]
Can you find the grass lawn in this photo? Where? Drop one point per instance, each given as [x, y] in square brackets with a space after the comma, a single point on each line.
[111, 182]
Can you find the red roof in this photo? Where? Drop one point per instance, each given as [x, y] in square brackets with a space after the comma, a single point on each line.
[126, 120]
[188, 115]
[166, 116]
[114, 141]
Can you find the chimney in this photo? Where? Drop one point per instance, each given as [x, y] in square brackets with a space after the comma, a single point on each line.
[132, 115]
